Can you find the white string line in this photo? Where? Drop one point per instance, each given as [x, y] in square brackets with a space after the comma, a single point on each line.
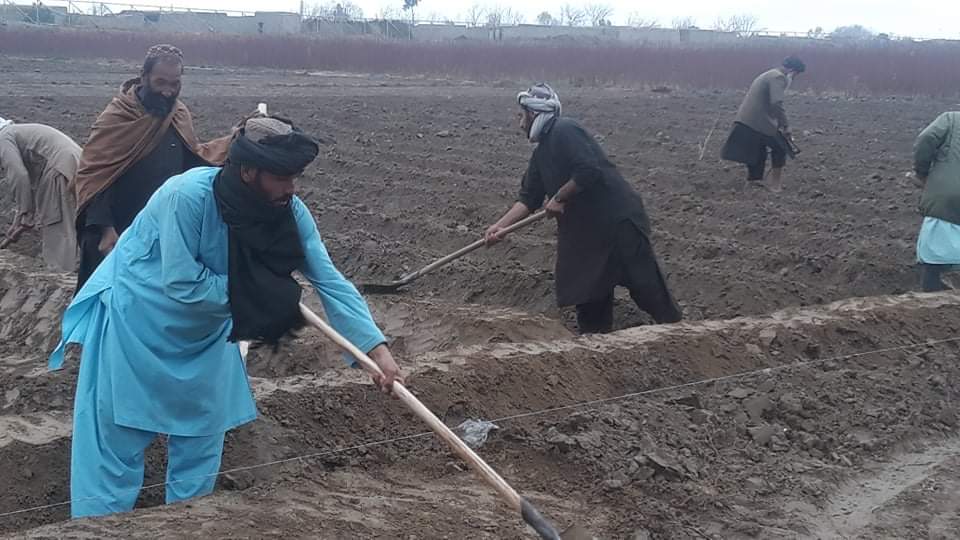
[578, 405]
[229, 471]
[734, 376]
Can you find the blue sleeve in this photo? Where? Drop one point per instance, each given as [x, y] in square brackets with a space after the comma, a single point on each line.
[183, 277]
[345, 308]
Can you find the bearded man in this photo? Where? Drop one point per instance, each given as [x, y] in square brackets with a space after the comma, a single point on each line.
[143, 137]
[603, 234]
[207, 263]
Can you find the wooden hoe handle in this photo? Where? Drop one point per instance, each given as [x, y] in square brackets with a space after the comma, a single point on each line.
[518, 504]
[411, 401]
[467, 249]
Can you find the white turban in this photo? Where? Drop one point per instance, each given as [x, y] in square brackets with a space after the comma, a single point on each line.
[541, 100]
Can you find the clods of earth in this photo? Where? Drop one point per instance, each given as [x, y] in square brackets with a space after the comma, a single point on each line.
[809, 393]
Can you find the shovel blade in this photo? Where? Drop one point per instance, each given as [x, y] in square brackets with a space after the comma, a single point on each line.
[576, 532]
[381, 288]
[545, 530]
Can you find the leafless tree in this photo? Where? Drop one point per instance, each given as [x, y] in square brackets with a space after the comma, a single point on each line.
[683, 23]
[571, 16]
[637, 20]
[335, 11]
[410, 6]
[498, 16]
[546, 19]
[475, 15]
[387, 14]
[743, 24]
[598, 14]
[855, 32]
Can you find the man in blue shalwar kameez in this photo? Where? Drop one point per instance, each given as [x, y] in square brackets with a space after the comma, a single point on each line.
[207, 263]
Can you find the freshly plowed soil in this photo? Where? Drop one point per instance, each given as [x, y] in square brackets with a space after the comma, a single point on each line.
[808, 394]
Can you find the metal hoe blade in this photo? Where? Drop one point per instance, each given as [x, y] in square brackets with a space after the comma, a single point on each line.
[576, 532]
[382, 288]
[392, 288]
[545, 530]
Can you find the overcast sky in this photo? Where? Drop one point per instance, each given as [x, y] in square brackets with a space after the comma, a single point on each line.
[929, 18]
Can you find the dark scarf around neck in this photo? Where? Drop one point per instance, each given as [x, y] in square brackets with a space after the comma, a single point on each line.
[264, 250]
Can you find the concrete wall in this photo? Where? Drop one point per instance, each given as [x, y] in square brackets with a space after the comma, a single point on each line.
[290, 23]
[605, 34]
[202, 23]
[531, 32]
[450, 32]
[31, 14]
[275, 23]
[380, 29]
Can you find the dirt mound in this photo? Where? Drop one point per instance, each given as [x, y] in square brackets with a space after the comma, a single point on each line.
[794, 429]
[772, 447]
[770, 405]
[413, 327]
[31, 303]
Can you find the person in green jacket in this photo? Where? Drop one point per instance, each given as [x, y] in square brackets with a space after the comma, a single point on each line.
[937, 166]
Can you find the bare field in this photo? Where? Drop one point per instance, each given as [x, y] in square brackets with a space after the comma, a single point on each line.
[820, 445]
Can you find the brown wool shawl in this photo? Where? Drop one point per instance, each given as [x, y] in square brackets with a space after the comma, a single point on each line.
[125, 133]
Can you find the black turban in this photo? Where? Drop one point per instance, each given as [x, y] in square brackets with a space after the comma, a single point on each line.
[275, 146]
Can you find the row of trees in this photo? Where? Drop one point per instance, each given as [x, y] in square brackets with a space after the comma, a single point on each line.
[595, 14]
[568, 15]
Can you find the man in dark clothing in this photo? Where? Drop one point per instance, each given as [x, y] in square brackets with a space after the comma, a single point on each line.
[603, 230]
[143, 137]
[761, 123]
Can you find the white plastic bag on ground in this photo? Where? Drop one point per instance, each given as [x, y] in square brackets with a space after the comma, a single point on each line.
[475, 432]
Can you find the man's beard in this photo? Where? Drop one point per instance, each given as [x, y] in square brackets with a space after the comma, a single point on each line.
[155, 103]
[279, 201]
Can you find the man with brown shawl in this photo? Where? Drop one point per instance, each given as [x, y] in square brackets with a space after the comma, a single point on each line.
[143, 137]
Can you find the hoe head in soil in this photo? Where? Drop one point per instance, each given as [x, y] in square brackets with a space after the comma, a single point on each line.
[525, 508]
[576, 532]
[546, 531]
[383, 288]
[394, 286]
